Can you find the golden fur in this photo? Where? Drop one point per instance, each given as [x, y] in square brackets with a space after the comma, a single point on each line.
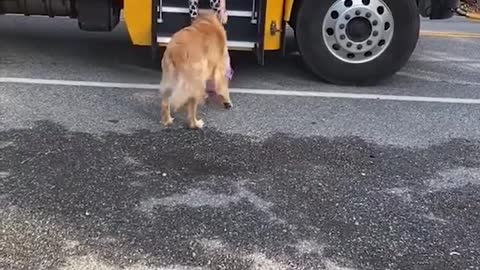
[194, 55]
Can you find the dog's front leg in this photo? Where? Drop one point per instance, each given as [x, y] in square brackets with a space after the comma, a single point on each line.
[193, 122]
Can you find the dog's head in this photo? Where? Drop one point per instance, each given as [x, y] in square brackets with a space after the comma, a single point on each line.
[208, 16]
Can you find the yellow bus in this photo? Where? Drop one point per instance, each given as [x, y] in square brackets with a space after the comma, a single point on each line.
[354, 42]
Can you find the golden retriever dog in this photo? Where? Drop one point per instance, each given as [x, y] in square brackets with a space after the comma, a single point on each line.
[194, 55]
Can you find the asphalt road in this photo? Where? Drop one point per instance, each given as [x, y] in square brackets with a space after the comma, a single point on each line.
[90, 180]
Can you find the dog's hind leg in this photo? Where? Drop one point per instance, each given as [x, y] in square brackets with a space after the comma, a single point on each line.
[193, 122]
[166, 115]
[166, 111]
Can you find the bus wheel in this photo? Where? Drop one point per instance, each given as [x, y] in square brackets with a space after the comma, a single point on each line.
[356, 42]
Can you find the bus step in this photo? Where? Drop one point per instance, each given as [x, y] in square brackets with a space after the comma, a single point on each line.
[242, 27]
[232, 44]
[241, 5]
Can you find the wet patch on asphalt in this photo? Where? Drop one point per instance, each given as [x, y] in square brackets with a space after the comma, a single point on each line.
[208, 200]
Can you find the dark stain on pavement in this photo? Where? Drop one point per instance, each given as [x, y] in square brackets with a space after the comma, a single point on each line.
[302, 203]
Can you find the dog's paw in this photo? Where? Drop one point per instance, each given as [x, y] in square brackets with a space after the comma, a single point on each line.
[197, 125]
[167, 121]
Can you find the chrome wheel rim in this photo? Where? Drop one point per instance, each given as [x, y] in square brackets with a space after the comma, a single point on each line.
[358, 31]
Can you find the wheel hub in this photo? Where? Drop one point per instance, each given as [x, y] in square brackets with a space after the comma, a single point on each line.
[358, 31]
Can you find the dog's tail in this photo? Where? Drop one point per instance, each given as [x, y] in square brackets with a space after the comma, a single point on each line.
[168, 81]
[180, 83]
[180, 93]
[186, 88]
[172, 85]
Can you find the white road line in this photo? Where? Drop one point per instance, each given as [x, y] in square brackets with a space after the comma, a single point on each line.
[269, 92]
[78, 83]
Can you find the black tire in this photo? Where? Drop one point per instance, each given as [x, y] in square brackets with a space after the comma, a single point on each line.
[324, 64]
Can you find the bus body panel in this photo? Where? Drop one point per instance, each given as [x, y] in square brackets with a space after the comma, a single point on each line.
[137, 15]
[274, 25]
[288, 10]
[138, 21]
